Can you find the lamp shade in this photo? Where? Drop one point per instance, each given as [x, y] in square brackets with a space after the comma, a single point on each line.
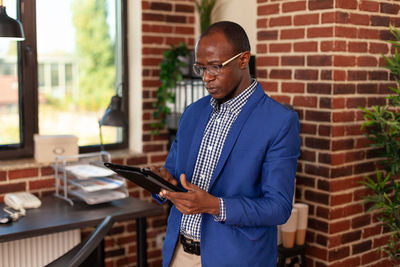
[9, 27]
[113, 115]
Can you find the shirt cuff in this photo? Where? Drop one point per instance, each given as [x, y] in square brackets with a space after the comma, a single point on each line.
[222, 212]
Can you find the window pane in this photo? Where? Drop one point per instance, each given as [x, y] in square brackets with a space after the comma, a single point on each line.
[76, 41]
[9, 107]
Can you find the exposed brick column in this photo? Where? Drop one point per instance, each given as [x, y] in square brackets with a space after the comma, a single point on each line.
[164, 23]
[324, 57]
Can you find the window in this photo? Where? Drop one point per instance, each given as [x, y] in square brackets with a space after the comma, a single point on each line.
[60, 80]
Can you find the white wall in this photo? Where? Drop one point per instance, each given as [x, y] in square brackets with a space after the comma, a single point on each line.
[243, 12]
[135, 75]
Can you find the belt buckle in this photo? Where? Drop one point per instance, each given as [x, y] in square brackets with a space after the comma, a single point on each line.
[190, 246]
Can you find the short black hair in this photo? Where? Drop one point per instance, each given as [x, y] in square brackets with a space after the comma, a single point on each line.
[233, 32]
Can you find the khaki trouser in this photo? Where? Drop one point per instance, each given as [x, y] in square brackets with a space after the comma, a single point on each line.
[184, 259]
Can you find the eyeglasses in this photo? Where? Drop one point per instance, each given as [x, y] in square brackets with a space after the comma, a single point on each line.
[212, 69]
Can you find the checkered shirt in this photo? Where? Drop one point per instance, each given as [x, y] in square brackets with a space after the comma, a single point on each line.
[217, 129]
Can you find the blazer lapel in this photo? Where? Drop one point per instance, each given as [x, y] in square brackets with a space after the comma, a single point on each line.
[233, 134]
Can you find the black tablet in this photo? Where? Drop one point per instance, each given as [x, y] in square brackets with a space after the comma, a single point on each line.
[144, 178]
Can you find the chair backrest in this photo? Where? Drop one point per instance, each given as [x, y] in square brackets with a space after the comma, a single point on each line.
[80, 252]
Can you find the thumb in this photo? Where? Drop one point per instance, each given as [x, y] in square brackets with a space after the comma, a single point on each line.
[185, 183]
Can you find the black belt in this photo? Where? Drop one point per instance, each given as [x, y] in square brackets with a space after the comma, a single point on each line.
[190, 246]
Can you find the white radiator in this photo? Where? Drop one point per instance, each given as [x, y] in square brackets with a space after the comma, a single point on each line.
[37, 251]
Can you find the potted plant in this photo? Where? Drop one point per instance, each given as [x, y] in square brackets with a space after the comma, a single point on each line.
[170, 74]
[383, 130]
[205, 7]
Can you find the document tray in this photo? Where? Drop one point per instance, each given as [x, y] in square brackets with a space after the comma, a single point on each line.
[144, 178]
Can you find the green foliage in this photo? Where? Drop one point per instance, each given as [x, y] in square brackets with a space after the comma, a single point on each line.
[205, 7]
[170, 74]
[383, 130]
[95, 50]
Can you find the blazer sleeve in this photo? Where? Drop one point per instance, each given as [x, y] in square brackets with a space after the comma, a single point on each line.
[278, 172]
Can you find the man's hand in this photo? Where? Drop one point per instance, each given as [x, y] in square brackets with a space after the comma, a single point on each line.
[164, 173]
[194, 201]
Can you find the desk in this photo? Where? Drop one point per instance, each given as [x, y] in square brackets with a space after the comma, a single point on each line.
[56, 215]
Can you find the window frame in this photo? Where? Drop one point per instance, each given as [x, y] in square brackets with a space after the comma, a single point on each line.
[28, 85]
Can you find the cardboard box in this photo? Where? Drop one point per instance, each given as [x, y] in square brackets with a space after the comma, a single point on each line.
[47, 147]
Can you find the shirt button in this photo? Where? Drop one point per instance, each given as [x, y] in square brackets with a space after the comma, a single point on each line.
[202, 176]
[218, 120]
[210, 148]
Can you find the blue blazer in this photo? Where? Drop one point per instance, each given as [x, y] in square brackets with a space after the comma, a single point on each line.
[254, 175]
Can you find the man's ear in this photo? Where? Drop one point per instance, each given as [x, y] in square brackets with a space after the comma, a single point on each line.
[244, 60]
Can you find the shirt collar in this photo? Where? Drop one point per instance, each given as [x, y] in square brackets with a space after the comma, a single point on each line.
[235, 104]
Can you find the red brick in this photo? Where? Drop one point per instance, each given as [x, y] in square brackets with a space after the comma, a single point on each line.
[366, 5]
[378, 48]
[307, 74]
[320, 32]
[317, 252]
[320, 60]
[281, 98]
[320, 4]
[305, 101]
[337, 227]
[137, 160]
[23, 173]
[261, 48]
[292, 34]
[351, 236]
[359, 19]
[41, 184]
[152, 17]
[339, 75]
[281, 47]
[308, 128]
[338, 253]
[292, 87]
[267, 35]
[317, 143]
[361, 247]
[267, 61]
[293, 6]
[319, 88]
[371, 231]
[337, 46]
[184, 8]
[344, 61]
[280, 74]
[270, 86]
[292, 60]
[267, 9]
[344, 184]
[389, 8]
[343, 116]
[346, 4]
[158, 158]
[184, 30]
[340, 199]
[262, 23]
[280, 21]
[360, 47]
[160, 6]
[344, 88]
[368, 33]
[370, 257]
[338, 103]
[152, 40]
[307, 19]
[342, 212]
[367, 61]
[3, 175]
[348, 32]
[12, 187]
[305, 47]
[352, 262]
[361, 221]
[378, 242]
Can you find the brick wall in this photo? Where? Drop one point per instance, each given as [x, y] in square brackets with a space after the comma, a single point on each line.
[324, 57]
[163, 23]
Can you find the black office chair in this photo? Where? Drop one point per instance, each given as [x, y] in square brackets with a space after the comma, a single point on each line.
[80, 252]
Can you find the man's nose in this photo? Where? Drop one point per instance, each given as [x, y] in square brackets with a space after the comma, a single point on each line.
[207, 76]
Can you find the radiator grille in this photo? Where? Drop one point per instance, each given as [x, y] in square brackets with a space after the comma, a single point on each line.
[37, 251]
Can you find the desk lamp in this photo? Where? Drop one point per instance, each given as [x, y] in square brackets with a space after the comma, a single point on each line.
[112, 117]
[9, 27]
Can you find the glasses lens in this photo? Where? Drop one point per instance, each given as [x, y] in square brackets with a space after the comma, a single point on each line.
[198, 70]
[213, 69]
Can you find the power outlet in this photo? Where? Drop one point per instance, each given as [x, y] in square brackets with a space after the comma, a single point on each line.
[160, 240]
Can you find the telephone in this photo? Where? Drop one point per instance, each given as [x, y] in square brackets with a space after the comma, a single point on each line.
[21, 201]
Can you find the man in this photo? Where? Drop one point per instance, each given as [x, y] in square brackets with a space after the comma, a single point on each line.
[236, 155]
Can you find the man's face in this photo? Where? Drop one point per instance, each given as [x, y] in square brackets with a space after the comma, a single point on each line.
[215, 49]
